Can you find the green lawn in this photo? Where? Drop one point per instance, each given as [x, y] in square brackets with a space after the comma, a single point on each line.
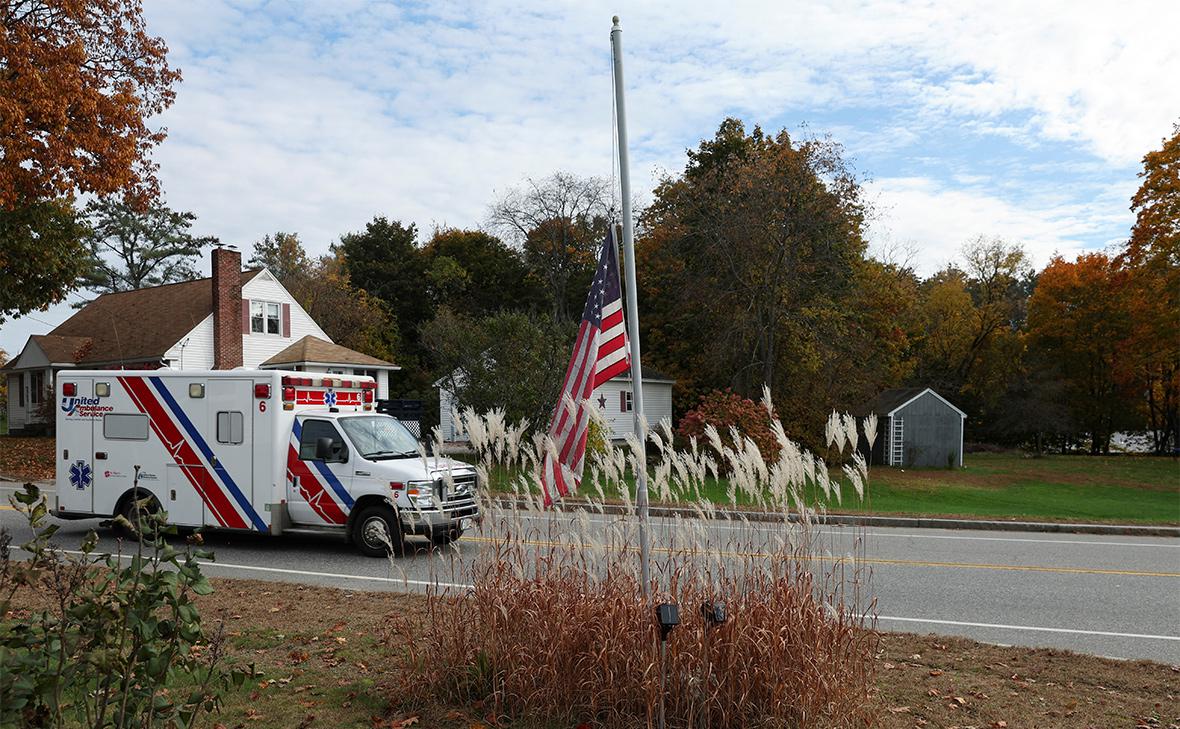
[1075, 488]
[1117, 489]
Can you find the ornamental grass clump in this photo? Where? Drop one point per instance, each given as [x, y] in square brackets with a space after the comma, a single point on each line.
[554, 628]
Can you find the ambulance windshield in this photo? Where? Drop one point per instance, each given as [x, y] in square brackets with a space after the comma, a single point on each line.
[379, 437]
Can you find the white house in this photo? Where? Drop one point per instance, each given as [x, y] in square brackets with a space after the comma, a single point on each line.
[235, 318]
[613, 399]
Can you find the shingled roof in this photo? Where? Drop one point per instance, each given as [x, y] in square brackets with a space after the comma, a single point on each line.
[891, 400]
[314, 349]
[133, 326]
[888, 401]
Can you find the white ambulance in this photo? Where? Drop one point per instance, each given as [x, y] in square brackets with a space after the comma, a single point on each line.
[259, 450]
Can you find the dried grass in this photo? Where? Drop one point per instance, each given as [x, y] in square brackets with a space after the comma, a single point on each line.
[556, 630]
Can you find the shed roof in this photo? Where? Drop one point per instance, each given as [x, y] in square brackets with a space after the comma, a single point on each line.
[890, 401]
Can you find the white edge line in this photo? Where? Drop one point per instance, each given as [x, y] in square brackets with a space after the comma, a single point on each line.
[1030, 628]
[306, 573]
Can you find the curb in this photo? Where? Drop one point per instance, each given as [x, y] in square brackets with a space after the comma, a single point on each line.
[911, 522]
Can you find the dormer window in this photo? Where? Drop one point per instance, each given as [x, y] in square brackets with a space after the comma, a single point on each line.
[265, 317]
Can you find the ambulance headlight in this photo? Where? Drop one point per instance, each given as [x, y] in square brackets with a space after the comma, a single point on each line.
[421, 493]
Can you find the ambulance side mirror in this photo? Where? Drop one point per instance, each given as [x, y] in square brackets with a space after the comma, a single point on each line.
[323, 449]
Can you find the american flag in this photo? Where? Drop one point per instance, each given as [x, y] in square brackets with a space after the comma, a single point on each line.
[600, 353]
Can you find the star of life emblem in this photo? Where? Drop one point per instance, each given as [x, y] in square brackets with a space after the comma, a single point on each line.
[80, 475]
[330, 398]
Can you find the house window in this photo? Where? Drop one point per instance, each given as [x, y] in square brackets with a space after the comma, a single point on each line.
[625, 401]
[36, 387]
[366, 373]
[17, 383]
[265, 317]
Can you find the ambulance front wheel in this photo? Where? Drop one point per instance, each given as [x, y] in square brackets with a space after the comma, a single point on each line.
[377, 532]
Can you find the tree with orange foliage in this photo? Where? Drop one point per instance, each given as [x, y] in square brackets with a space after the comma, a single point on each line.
[1151, 261]
[78, 80]
[1080, 320]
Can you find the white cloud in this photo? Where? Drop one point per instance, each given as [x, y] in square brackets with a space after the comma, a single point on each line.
[936, 220]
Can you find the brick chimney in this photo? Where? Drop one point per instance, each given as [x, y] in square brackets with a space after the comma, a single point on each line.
[227, 309]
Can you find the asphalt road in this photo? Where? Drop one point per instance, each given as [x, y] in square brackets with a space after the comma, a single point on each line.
[1111, 596]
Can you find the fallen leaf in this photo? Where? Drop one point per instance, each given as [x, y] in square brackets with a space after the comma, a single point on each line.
[1001, 724]
[936, 672]
[899, 710]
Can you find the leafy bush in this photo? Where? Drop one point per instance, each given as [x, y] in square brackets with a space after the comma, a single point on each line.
[727, 411]
[110, 641]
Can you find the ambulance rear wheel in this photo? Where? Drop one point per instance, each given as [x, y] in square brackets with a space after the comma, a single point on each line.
[127, 511]
[377, 532]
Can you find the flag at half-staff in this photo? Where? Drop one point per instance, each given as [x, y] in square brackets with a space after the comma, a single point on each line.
[600, 353]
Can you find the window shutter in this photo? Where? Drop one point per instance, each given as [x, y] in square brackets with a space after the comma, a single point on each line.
[622, 401]
[245, 316]
[286, 320]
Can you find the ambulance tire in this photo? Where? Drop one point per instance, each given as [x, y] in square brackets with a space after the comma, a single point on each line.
[127, 511]
[366, 534]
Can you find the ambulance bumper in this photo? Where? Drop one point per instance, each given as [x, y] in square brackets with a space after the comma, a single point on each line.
[427, 521]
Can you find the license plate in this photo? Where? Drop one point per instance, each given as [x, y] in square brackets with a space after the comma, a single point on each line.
[464, 523]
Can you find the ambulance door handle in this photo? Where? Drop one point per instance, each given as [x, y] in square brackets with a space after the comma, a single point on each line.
[65, 454]
[174, 494]
[100, 456]
[361, 473]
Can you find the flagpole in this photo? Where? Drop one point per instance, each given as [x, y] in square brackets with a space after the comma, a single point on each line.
[616, 43]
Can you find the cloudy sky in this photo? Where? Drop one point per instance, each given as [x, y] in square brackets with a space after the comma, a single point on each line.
[1023, 120]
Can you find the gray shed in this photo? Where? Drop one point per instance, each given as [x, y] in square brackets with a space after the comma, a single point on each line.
[916, 427]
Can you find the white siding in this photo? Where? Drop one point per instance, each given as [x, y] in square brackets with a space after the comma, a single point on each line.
[382, 375]
[17, 415]
[31, 356]
[257, 348]
[447, 424]
[197, 353]
[657, 405]
[20, 417]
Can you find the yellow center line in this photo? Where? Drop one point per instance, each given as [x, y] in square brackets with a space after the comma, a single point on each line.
[869, 560]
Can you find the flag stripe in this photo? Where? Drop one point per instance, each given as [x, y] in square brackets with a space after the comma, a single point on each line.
[600, 353]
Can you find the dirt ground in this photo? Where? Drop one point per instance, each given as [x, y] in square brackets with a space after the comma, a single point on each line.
[26, 458]
[325, 662]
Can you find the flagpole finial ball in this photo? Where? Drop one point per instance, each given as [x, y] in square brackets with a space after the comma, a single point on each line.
[615, 20]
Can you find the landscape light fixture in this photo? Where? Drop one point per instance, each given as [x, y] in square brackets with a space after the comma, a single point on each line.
[668, 616]
[714, 613]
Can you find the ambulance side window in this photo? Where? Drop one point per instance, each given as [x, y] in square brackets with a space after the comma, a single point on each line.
[229, 427]
[119, 426]
[313, 430]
